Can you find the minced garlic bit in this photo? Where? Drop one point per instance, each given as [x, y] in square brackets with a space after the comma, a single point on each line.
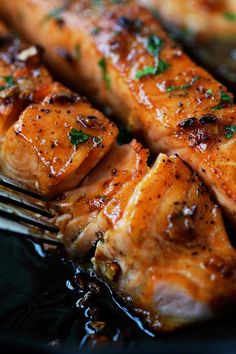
[27, 53]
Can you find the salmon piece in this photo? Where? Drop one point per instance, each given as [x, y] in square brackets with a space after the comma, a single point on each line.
[56, 142]
[169, 255]
[98, 203]
[120, 56]
[23, 80]
[206, 18]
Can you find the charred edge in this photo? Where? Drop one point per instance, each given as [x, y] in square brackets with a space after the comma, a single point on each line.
[208, 118]
[188, 122]
[64, 98]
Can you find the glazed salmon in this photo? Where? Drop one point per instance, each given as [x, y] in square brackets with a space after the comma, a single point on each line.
[98, 203]
[120, 56]
[207, 18]
[56, 142]
[169, 255]
[23, 79]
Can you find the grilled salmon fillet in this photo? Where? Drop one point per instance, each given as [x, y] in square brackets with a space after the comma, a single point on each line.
[161, 240]
[98, 203]
[23, 79]
[169, 255]
[56, 142]
[207, 18]
[119, 55]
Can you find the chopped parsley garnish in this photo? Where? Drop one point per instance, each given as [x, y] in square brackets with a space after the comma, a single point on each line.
[162, 66]
[78, 137]
[103, 65]
[230, 16]
[148, 70]
[97, 140]
[224, 98]
[102, 198]
[77, 52]
[9, 82]
[183, 87]
[209, 92]
[55, 14]
[153, 70]
[154, 44]
[230, 130]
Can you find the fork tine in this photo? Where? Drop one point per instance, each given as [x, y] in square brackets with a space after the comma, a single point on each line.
[14, 199]
[14, 228]
[19, 187]
[17, 214]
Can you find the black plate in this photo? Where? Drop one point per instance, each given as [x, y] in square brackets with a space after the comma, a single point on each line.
[48, 304]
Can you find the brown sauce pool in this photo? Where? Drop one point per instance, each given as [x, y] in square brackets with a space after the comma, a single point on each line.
[49, 299]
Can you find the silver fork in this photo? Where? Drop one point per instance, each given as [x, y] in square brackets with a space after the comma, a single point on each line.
[21, 213]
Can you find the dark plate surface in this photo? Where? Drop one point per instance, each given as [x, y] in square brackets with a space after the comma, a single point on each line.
[50, 304]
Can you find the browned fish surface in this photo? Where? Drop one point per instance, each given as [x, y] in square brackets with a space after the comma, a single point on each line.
[23, 79]
[162, 242]
[56, 142]
[98, 203]
[169, 254]
[120, 55]
[208, 18]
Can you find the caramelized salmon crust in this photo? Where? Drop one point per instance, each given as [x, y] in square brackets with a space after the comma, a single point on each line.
[51, 137]
[169, 254]
[23, 79]
[120, 56]
[158, 237]
[85, 213]
[56, 142]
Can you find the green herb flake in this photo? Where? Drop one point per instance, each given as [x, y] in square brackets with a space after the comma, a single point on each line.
[162, 66]
[153, 70]
[77, 52]
[78, 137]
[148, 70]
[183, 87]
[230, 130]
[209, 92]
[97, 140]
[186, 86]
[9, 80]
[154, 44]
[103, 65]
[224, 98]
[102, 198]
[171, 88]
[230, 16]
[54, 14]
